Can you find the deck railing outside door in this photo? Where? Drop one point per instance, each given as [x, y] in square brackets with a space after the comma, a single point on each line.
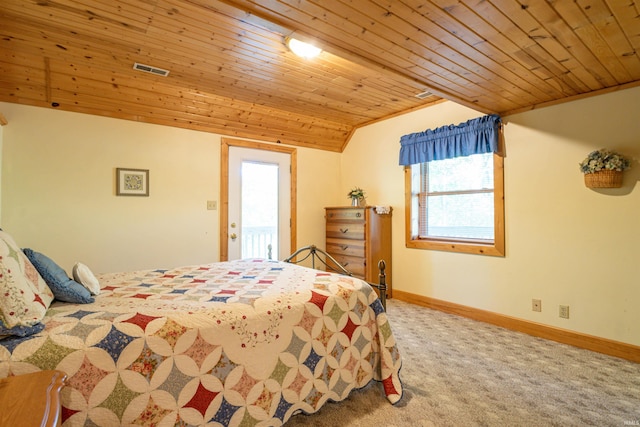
[260, 242]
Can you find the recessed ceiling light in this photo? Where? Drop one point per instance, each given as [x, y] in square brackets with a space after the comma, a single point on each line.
[303, 49]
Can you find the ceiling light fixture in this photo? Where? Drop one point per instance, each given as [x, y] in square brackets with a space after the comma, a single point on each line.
[303, 49]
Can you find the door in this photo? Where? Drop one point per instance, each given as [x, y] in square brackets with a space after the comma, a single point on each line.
[259, 203]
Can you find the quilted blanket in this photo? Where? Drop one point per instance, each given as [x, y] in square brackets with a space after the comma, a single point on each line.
[239, 343]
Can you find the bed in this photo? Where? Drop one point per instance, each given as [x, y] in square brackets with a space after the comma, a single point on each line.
[247, 342]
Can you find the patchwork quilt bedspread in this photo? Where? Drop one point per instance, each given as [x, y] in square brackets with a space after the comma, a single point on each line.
[239, 343]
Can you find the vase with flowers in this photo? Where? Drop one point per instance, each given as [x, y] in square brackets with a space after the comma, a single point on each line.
[357, 196]
[603, 169]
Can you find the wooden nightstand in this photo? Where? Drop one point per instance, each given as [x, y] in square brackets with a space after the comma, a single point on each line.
[31, 400]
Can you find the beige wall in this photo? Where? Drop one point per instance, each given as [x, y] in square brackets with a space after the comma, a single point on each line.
[58, 190]
[566, 244]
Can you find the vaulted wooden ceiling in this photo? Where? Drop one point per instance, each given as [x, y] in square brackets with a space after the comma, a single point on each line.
[231, 72]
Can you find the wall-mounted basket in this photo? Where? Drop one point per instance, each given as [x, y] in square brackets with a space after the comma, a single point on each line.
[603, 179]
[603, 169]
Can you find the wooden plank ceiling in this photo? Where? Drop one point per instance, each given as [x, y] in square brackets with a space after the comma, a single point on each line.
[231, 73]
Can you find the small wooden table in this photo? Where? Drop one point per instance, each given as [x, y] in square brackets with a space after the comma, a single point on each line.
[32, 399]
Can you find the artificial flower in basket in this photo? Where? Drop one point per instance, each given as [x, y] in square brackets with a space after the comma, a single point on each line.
[356, 195]
[603, 169]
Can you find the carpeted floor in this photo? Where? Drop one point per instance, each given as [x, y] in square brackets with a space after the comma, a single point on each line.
[459, 372]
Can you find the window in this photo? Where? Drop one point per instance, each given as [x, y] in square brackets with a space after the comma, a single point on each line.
[456, 204]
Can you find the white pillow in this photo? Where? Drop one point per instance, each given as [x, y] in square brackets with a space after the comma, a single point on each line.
[82, 274]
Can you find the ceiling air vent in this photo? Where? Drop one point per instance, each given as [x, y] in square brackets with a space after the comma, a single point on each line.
[423, 95]
[149, 69]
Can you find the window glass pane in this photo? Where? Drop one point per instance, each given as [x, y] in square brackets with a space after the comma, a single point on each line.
[461, 173]
[259, 210]
[460, 216]
[457, 207]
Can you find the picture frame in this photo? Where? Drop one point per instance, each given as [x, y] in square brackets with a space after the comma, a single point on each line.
[132, 182]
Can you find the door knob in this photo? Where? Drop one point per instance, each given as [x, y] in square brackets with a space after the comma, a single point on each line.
[233, 236]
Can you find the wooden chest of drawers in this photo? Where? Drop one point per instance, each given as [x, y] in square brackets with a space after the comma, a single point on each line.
[358, 237]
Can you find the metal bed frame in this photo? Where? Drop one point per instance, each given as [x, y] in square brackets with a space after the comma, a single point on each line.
[330, 263]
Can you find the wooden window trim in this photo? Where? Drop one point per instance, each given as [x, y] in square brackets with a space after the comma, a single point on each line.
[495, 248]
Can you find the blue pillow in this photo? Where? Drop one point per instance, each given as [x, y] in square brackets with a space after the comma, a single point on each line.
[63, 288]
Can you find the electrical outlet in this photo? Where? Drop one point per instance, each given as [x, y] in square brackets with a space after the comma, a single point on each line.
[212, 205]
[536, 305]
[564, 311]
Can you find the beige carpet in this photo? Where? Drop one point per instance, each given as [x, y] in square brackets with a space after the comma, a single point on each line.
[459, 372]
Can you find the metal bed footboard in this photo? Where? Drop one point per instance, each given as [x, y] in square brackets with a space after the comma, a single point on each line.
[330, 263]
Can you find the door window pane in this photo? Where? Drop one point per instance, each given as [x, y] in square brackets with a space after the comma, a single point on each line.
[259, 210]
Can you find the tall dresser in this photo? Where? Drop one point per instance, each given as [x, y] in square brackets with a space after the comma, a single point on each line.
[359, 237]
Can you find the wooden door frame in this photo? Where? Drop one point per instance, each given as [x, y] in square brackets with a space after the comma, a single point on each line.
[224, 187]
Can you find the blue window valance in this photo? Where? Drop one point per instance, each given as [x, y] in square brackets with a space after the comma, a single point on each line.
[475, 136]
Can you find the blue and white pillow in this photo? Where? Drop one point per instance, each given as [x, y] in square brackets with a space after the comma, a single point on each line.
[20, 331]
[63, 288]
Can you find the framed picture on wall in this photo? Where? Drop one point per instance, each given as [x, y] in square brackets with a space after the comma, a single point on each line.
[132, 182]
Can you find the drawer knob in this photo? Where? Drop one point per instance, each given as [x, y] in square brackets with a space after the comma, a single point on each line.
[358, 214]
[344, 230]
